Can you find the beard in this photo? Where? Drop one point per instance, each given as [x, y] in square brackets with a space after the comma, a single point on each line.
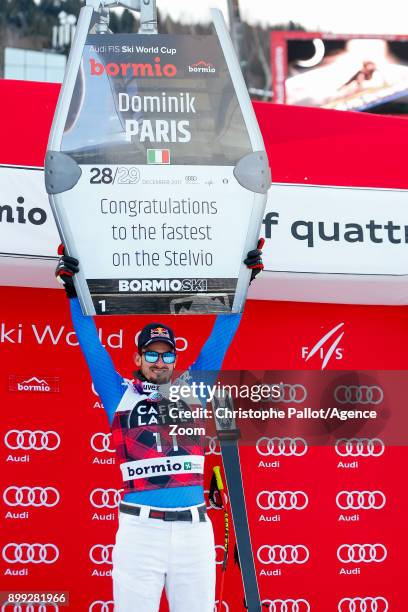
[159, 377]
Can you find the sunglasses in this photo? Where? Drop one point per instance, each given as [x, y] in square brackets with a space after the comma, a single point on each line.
[153, 356]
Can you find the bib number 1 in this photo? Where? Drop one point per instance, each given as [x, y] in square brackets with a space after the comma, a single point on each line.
[159, 444]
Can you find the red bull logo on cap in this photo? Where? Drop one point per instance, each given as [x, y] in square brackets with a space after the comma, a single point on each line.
[159, 332]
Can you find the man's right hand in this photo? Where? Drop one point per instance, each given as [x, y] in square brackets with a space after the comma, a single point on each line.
[65, 271]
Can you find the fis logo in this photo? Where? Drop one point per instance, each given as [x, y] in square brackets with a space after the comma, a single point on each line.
[327, 347]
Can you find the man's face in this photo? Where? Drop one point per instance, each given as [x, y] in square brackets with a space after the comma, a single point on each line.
[159, 373]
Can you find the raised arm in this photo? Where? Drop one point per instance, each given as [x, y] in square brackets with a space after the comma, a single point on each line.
[213, 352]
[108, 383]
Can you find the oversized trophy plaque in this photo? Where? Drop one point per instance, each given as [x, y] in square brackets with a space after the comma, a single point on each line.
[156, 168]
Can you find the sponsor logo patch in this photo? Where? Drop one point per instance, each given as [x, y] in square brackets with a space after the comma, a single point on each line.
[202, 67]
[167, 285]
[34, 384]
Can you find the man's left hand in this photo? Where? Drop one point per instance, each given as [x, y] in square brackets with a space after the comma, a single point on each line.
[254, 260]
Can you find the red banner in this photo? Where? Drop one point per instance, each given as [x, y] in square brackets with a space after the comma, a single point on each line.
[328, 522]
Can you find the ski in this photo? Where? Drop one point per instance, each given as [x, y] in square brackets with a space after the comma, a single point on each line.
[228, 436]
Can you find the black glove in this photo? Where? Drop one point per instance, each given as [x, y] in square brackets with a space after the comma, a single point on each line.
[254, 260]
[66, 269]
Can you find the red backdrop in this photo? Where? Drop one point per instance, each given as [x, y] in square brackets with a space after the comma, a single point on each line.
[36, 340]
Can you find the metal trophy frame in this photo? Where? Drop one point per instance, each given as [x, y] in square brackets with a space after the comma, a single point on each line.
[62, 173]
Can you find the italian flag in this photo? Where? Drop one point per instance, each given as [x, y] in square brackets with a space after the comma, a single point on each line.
[158, 156]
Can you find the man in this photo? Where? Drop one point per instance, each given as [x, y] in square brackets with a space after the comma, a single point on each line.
[165, 539]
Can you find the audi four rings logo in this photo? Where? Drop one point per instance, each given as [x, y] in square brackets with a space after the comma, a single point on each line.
[101, 606]
[213, 446]
[30, 553]
[360, 500]
[105, 498]
[362, 553]
[289, 394]
[29, 608]
[31, 496]
[360, 447]
[282, 500]
[32, 440]
[100, 554]
[101, 442]
[278, 447]
[289, 554]
[286, 605]
[358, 394]
[363, 604]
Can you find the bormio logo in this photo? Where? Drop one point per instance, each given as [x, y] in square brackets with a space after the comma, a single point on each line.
[201, 66]
[148, 69]
[22, 214]
[34, 384]
[167, 285]
[149, 470]
[187, 465]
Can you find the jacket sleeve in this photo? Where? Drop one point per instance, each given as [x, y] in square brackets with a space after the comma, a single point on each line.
[109, 385]
[214, 350]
